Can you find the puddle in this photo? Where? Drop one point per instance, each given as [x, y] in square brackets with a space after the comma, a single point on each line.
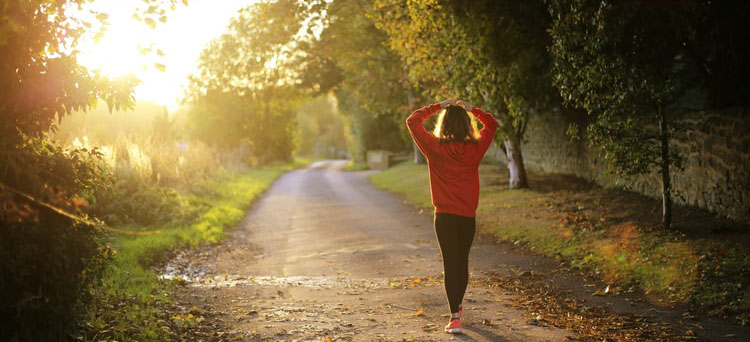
[182, 267]
[320, 282]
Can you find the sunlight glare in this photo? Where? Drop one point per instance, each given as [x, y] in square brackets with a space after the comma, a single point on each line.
[188, 29]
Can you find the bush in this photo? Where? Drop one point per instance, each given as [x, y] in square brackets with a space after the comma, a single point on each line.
[149, 174]
[49, 259]
[48, 267]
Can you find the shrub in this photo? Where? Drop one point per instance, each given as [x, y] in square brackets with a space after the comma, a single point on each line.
[47, 270]
[50, 259]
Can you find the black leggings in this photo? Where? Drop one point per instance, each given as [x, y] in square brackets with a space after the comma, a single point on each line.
[455, 234]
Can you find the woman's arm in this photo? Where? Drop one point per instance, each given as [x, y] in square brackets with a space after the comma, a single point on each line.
[488, 131]
[415, 122]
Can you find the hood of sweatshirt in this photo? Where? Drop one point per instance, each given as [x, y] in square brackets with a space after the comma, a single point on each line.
[460, 152]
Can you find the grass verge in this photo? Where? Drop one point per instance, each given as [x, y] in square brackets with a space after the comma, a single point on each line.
[131, 303]
[612, 234]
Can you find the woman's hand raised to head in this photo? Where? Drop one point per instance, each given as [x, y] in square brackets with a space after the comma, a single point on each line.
[445, 103]
[465, 104]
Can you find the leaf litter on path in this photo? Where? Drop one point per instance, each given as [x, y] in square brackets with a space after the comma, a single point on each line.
[546, 308]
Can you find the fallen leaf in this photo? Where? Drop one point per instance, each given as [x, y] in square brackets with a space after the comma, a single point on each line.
[601, 293]
[419, 313]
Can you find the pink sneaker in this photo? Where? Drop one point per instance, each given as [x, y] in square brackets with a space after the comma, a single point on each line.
[454, 327]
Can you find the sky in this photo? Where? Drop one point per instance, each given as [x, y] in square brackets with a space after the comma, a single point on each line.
[187, 31]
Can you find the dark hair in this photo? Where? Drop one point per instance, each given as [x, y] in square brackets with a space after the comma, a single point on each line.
[454, 124]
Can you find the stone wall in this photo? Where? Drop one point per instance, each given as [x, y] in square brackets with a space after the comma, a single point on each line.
[715, 152]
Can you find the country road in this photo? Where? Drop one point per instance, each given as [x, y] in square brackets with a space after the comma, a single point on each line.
[324, 256]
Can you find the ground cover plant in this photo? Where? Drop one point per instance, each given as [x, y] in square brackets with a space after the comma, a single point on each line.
[612, 234]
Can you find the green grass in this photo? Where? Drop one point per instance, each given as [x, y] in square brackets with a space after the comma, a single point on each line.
[712, 273]
[223, 199]
[131, 279]
[407, 179]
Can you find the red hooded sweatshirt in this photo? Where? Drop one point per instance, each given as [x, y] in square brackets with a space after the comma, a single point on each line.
[454, 166]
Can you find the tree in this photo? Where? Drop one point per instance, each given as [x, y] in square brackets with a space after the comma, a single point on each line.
[483, 51]
[51, 253]
[631, 65]
[350, 59]
[244, 94]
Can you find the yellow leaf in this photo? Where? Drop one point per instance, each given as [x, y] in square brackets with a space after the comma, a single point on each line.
[419, 313]
[98, 36]
[161, 68]
[601, 293]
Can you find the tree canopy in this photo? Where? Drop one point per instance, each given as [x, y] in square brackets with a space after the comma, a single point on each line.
[633, 65]
[244, 93]
[351, 59]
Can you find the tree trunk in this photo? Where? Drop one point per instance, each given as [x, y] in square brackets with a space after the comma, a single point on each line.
[666, 187]
[418, 157]
[516, 168]
[512, 149]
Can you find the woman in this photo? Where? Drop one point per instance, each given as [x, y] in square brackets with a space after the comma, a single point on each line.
[453, 153]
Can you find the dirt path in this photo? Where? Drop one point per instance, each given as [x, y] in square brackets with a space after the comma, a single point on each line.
[324, 256]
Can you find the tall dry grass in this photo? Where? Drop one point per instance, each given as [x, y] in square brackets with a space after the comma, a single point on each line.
[148, 174]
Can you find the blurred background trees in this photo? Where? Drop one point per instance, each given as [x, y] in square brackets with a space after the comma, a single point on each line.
[244, 93]
[320, 129]
[350, 59]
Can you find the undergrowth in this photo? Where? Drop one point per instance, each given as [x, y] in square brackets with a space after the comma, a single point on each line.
[588, 231]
